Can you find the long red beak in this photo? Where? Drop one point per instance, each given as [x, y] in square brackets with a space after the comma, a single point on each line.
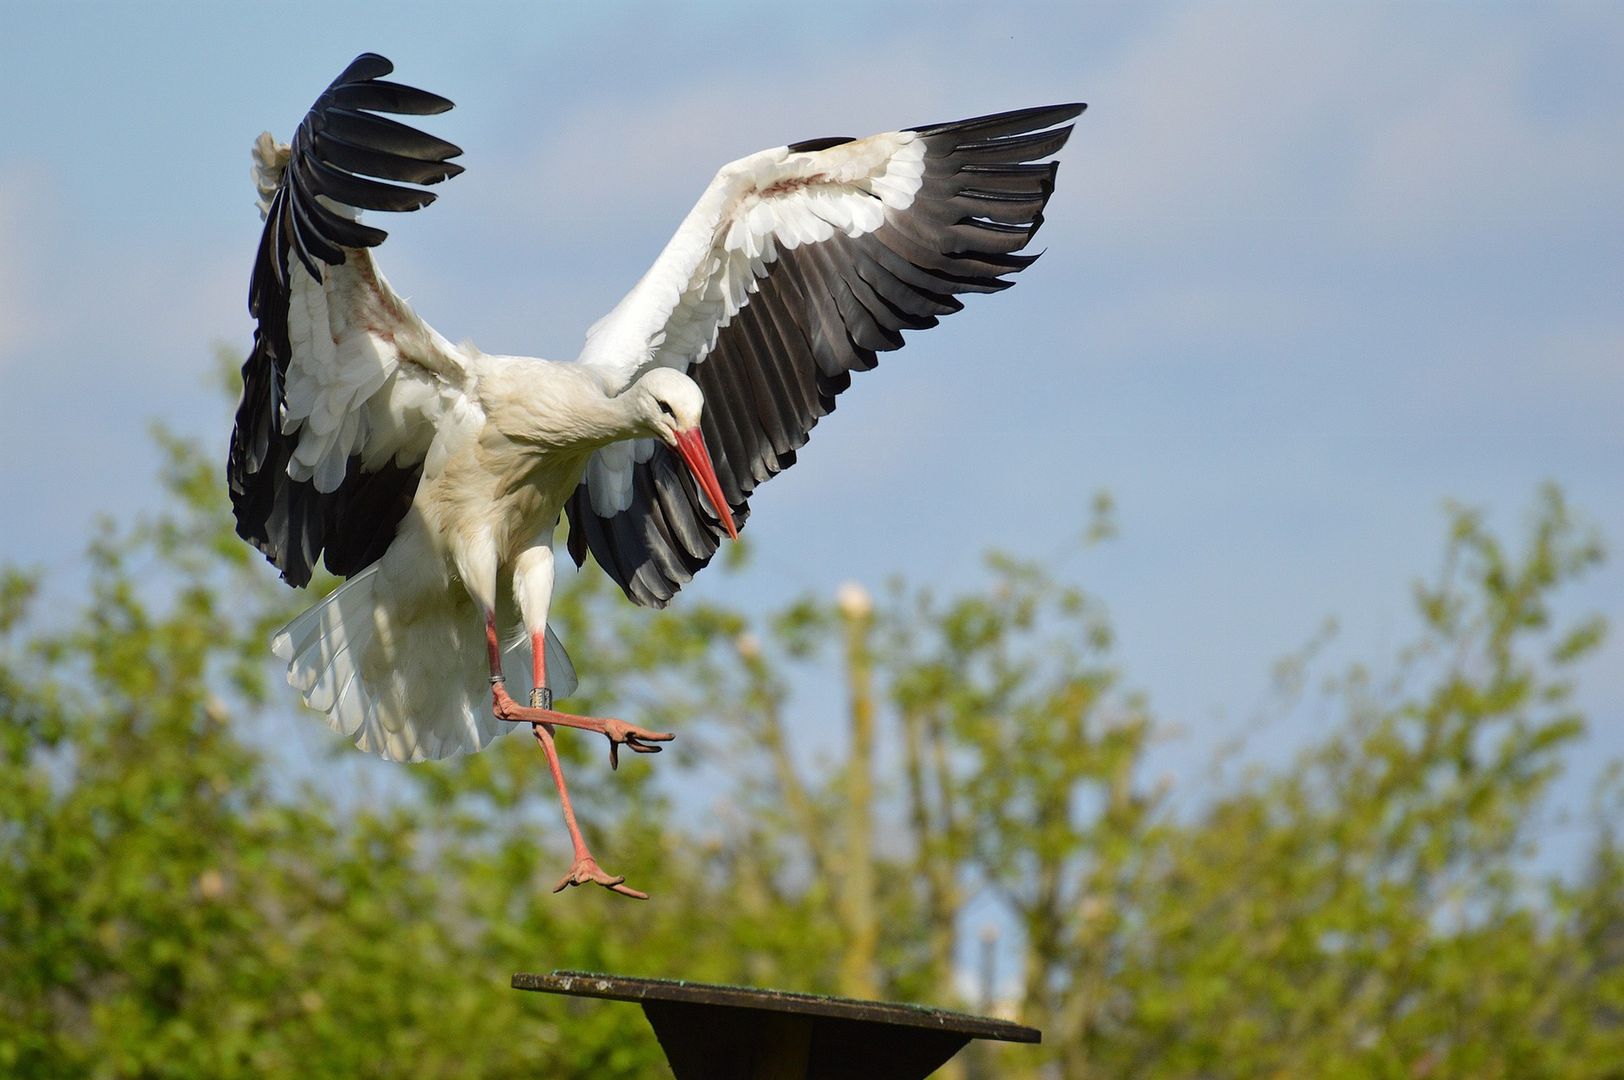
[691, 445]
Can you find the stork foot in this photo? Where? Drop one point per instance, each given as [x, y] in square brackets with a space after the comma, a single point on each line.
[619, 733]
[637, 739]
[587, 871]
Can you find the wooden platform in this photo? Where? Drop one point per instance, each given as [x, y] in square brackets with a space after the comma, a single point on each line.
[741, 1033]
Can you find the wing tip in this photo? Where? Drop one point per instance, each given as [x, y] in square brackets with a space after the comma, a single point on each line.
[1011, 122]
[365, 67]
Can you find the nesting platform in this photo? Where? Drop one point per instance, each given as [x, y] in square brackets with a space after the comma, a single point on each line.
[741, 1033]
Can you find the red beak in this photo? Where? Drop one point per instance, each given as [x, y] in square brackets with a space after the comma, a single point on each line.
[691, 445]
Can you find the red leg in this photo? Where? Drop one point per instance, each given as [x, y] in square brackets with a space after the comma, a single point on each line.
[541, 695]
[585, 868]
[618, 732]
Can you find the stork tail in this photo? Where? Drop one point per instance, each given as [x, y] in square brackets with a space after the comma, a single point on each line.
[354, 664]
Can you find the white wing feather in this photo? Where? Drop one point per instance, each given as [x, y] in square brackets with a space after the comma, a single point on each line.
[775, 200]
[367, 376]
[769, 202]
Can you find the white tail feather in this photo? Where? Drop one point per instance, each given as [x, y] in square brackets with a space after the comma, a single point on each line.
[410, 690]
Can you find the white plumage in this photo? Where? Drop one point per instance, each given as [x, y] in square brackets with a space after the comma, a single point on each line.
[328, 647]
[433, 475]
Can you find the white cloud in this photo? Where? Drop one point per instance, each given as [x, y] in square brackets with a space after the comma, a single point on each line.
[1472, 153]
[1211, 119]
[616, 163]
[566, 210]
[1363, 127]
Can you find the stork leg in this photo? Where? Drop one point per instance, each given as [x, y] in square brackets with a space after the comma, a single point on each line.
[618, 732]
[585, 868]
[533, 588]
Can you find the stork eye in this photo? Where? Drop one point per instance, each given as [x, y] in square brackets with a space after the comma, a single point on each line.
[665, 408]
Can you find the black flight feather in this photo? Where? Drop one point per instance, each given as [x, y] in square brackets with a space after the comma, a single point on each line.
[823, 311]
[342, 151]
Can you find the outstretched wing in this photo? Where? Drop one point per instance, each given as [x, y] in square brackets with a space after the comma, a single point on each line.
[346, 392]
[796, 267]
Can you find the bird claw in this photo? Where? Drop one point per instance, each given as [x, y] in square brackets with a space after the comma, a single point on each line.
[587, 871]
[637, 739]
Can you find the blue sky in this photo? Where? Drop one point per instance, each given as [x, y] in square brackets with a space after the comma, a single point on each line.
[1310, 271]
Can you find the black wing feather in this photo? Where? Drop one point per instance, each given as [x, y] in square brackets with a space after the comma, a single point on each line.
[822, 312]
[334, 151]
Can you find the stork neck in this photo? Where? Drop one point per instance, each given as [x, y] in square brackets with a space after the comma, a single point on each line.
[604, 420]
[555, 406]
[624, 416]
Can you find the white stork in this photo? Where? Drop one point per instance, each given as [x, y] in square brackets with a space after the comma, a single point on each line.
[433, 475]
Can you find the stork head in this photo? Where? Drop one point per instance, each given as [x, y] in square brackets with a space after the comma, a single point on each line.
[669, 405]
[667, 401]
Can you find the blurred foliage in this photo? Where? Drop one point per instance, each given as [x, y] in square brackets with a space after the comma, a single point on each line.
[173, 904]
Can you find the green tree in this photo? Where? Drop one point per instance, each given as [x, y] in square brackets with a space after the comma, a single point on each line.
[1367, 911]
[173, 904]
